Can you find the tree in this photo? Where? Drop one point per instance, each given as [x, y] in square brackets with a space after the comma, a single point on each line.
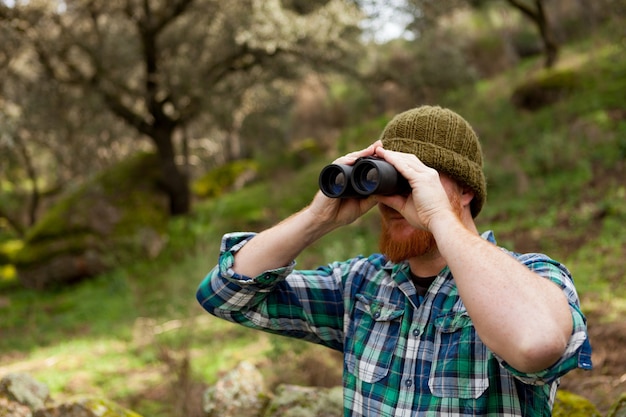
[537, 15]
[50, 134]
[427, 12]
[159, 65]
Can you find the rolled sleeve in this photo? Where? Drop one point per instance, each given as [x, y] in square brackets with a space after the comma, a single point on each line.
[231, 244]
[223, 290]
[301, 304]
[577, 353]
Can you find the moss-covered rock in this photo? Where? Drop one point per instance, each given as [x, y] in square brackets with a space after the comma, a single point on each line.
[23, 396]
[297, 401]
[545, 89]
[240, 393]
[10, 408]
[568, 404]
[87, 407]
[118, 214]
[25, 390]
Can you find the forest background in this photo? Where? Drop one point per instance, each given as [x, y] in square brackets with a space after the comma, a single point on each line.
[244, 102]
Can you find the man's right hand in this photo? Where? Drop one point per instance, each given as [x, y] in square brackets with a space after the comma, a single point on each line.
[279, 245]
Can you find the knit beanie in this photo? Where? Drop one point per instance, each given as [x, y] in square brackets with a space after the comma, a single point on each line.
[444, 141]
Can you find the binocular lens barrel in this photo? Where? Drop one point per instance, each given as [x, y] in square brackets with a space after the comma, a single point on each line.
[374, 176]
[367, 176]
[334, 181]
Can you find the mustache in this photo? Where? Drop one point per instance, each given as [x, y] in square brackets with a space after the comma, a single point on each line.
[388, 212]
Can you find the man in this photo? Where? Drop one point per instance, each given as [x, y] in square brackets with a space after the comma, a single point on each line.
[443, 322]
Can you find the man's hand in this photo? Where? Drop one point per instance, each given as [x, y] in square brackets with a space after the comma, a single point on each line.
[495, 287]
[428, 197]
[341, 211]
[280, 244]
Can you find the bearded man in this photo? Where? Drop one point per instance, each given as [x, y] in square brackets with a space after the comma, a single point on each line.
[443, 322]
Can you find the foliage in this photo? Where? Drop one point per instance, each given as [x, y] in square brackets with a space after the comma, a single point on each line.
[160, 67]
[9, 249]
[426, 70]
[215, 182]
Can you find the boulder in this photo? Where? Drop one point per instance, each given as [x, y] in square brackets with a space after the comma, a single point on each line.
[545, 89]
[10, 408]
[116, 216]
[24, 390]
[240, 393]
[297, 401]
[86, 407]
[23, 396]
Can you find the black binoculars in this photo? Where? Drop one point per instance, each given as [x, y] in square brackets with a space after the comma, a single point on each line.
[368, 176]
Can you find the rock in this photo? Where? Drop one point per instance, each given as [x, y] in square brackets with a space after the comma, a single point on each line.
[23, 396]
[545, 89]
[25, 390]
[240, 393]
[10, 408]
[86, 407]
[568, 404]
[119, 215]
[297, 401]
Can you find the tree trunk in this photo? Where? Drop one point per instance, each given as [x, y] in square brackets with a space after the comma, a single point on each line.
[174, 180]
[539, 18]
[32, 175]
[549, 43]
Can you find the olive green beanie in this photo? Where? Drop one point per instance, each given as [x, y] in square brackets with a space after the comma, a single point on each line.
[442, 140]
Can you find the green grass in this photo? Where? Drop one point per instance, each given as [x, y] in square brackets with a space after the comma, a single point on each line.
[556, 185]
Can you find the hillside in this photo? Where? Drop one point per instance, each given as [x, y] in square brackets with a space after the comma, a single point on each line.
[556, 185]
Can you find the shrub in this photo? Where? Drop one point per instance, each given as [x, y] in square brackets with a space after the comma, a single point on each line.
[215, 182]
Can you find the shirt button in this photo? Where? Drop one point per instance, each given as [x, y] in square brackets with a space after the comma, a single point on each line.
[408, 383]
[416, 332]
[377, 315]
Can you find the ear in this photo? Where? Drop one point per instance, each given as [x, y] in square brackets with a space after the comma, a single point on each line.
[467, 195]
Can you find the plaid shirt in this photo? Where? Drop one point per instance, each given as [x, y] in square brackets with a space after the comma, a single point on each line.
[405, 355]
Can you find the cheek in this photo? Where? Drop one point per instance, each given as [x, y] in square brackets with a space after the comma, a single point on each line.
[400, 229]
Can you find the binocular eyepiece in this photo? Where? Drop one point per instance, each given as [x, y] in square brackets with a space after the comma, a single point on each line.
[368, 176]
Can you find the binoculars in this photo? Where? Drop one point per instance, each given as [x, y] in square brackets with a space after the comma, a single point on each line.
[368, 176]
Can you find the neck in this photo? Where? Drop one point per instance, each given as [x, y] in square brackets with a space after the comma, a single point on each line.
[427, 265]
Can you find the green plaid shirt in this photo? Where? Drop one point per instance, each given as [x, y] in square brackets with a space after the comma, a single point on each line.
[405, 355]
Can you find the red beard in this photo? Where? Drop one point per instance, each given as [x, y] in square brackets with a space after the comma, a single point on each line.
[397, 249]
[399, 244]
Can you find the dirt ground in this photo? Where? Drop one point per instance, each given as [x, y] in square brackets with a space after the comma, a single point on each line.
[607, 381]
[602, 386]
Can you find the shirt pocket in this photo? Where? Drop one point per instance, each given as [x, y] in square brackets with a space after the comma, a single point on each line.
[460, 362]
[372, 337]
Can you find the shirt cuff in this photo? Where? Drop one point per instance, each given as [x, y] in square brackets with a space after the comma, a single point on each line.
[231, 244]
[577, 355]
